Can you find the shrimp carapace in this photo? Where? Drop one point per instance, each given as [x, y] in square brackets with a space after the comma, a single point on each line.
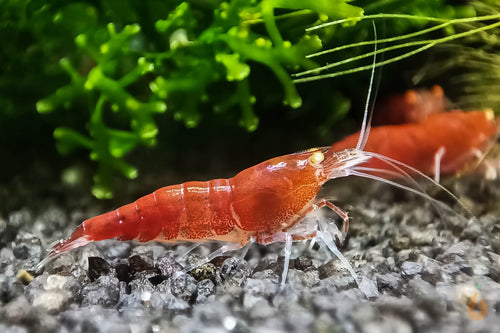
[462, 137]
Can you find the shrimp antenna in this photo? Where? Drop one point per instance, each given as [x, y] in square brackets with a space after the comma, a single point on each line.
[399, 168]
[368, 113]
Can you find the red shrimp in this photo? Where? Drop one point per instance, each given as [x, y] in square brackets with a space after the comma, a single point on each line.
[265, 202]
[411, 107]
[462, 137]
[259, 202]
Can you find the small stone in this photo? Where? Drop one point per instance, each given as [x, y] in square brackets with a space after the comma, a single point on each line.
[325, 323]
[141, 282]
[410, 268]
[295, 279]
[472, 231]
[426, 297]
[105, 291]
[333, 267]
[19, 219]
[203, 272]
[343, 282]
[404, 255]
[324, 303]
[51, 301]
[123, 272]
[451, 254]
[19, 311]
[234, 271]
[183, 286]
[388, 282]
[139, 264]
[431, 270]
[10, 287]
[59, 282]
[116, 250]
[156, 279]
[50, 220]
[173, 303]
[149, 251]
[167, 266]
[53, 293]
[27, 246]
[212, 314]
[421, 238]
[205, 289]
[363, 313]
[6, 235]
[303, 263]
[399, 243]
[310, 278]
[480, 266]
[250, 300]
[495, 266]
[97, 267]
[298, 319]
[267, 274]
[285, 296]
[369, 288]
[6, 259]
[258, 287]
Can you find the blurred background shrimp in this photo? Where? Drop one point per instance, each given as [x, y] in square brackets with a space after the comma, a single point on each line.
[416, 129]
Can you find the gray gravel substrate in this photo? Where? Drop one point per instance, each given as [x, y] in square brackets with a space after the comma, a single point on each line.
[418, 271]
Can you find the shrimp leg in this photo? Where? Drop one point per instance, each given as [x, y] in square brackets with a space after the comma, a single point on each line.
[288, 253]
[299, 233]
[438, 156]
[341, 213]
[327, 239]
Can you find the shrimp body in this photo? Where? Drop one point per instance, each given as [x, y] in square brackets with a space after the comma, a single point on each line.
[258, 202]
[465, 136]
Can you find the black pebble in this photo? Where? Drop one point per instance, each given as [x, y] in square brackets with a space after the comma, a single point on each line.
[97, 267]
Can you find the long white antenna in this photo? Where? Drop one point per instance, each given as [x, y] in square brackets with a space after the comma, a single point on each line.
[367, 116]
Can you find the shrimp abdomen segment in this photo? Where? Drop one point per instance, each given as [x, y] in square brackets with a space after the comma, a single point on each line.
[207, 211]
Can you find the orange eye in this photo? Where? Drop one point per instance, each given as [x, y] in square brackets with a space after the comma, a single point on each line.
[317, 157]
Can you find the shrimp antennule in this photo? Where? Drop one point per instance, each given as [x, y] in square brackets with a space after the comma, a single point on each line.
[368, 113]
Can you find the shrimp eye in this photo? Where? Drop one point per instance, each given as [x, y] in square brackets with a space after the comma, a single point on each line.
[316, 157]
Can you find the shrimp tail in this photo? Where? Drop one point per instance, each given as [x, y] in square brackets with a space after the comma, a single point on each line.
[78, 238]
[105, 226]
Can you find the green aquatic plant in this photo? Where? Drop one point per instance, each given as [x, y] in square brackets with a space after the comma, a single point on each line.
[420, 44]
[472, 66]
[196, 50]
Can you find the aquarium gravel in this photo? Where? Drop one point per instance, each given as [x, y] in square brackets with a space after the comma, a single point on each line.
[418, 269]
